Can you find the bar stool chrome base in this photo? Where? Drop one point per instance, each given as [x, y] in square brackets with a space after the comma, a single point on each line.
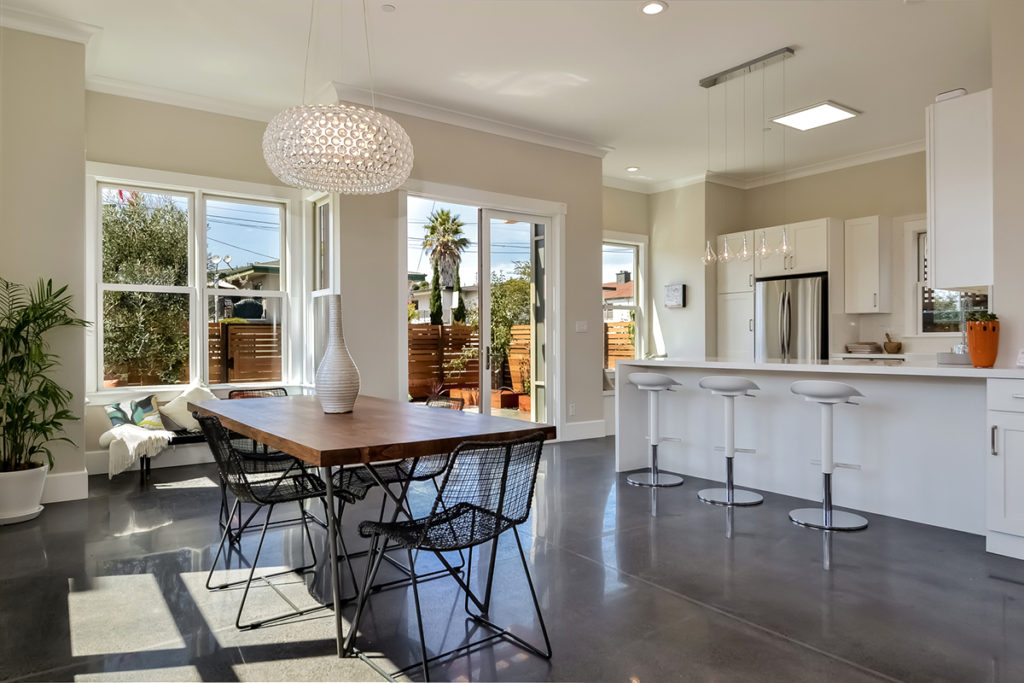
[740, 497]
[654, 479]
[815, 519]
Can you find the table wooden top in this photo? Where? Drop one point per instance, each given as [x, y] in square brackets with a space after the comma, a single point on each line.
[377, 429]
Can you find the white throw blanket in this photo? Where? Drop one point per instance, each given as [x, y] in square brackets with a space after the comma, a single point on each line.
[128, 443]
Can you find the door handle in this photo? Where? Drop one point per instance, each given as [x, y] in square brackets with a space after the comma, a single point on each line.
[487, 358]
[782, 321]
[993, 438]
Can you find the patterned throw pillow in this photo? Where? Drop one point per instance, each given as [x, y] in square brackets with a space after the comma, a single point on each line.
[144, 413]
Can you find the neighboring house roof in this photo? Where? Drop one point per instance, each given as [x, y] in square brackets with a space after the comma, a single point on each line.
[617, 290]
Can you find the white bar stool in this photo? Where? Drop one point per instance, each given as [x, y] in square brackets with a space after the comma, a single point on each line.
[827, 394]
[729, 387]
[654, 384]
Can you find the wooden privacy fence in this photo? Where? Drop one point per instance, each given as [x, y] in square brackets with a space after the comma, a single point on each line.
[519, 358]
[249, 352]
[618, 342]
[430, 347]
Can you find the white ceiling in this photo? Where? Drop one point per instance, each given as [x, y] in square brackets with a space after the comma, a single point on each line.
[596, 72]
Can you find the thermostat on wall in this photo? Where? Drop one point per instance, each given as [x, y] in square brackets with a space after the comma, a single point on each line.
[675, 295]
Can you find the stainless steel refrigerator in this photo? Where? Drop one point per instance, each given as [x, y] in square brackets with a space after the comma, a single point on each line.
[791, 319]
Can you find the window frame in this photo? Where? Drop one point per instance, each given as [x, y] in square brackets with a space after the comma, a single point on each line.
[913, 227]
[640, 243]
[198, 189]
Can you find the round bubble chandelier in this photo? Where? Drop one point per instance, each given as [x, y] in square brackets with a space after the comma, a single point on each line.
[338, 148]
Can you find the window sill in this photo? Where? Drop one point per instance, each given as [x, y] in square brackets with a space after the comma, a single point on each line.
[116, 394]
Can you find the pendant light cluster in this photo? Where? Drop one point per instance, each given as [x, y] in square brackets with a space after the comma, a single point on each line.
[745, 253]
[338, 147]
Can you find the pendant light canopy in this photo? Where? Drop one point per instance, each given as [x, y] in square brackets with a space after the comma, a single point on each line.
[338, 148]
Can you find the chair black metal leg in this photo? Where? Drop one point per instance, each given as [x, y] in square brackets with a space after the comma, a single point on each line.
[372, 566]
[419, 615]
[220, 549]
[252, 572]
[533, 593]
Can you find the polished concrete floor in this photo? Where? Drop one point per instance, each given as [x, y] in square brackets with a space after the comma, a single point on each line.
[111, 588]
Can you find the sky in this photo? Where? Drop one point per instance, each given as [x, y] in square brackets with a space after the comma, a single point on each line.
[509, 242]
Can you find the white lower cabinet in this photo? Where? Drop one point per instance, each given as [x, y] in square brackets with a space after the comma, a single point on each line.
[1005, 456]
[736, 326]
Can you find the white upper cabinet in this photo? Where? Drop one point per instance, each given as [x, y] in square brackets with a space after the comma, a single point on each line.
[868, 264]
[959, 145]
[735, 275]
[807, 244]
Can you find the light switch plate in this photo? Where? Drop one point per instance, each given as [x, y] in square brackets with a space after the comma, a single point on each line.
[581, 325]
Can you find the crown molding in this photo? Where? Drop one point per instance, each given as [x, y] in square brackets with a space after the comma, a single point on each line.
[838, 164]
[772, 178]
[341, 92]
[177, 98]
[626, 184]
[667, 185]
[54, 27]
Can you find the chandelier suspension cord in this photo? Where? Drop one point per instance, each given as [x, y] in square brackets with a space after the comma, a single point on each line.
[369, 59]
[309, 38]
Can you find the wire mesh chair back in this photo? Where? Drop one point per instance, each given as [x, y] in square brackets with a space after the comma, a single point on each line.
[249, 484]
[487, 489]
[258, 393]
[446, 402]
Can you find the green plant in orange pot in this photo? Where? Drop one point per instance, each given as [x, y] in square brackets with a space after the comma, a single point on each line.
[982, 338]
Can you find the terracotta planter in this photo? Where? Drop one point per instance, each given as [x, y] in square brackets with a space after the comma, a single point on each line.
[983, 343]
[502, 398]
[20, 493]
[524, 403]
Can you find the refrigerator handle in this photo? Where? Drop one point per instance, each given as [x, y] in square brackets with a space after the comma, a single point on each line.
[782, 322]
[789, 321]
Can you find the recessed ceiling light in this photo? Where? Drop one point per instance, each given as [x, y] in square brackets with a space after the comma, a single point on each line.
[816, 115]
[652, 7]
[632, 169]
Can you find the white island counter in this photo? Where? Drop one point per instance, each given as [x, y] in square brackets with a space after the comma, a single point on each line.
[920, 435]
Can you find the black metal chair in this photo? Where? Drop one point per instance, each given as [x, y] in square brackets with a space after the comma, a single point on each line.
[267, 487]
[261, 457]
[487, 490]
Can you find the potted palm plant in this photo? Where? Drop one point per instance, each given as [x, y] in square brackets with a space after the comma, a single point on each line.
[33, 407]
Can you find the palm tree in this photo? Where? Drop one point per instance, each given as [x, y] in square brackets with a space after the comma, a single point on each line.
[445, 243]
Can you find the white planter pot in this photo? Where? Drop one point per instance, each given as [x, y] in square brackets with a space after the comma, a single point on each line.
[20, 493]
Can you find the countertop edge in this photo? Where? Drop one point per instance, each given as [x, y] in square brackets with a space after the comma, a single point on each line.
[953, 372]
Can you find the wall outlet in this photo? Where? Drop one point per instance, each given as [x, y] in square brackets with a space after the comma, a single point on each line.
[581, 325]
[572, 409]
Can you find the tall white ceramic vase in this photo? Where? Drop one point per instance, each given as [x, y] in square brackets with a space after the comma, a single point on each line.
[337, 378]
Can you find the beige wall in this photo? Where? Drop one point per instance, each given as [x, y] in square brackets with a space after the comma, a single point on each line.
[471, 159]
[625, 211]
[724, 213]
[891, 187]
[137, 133]
[42, 208]
[1008, 173]
[131, 132]
[677, 242]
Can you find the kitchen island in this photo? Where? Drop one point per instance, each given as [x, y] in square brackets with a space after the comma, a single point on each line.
[921, 436]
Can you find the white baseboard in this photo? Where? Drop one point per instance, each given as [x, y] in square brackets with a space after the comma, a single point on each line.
[98, 462]
[63, 486]
[1005, 544]
[574, 431]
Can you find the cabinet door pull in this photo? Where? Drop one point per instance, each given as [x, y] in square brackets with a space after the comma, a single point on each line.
[993, 437]
[1016, 395]
[876, 300]
[750, 279]
[750, 324]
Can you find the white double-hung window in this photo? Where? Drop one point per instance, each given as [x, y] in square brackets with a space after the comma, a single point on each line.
[192, 282]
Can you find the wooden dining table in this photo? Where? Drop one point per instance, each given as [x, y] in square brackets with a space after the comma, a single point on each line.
[377, 430]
